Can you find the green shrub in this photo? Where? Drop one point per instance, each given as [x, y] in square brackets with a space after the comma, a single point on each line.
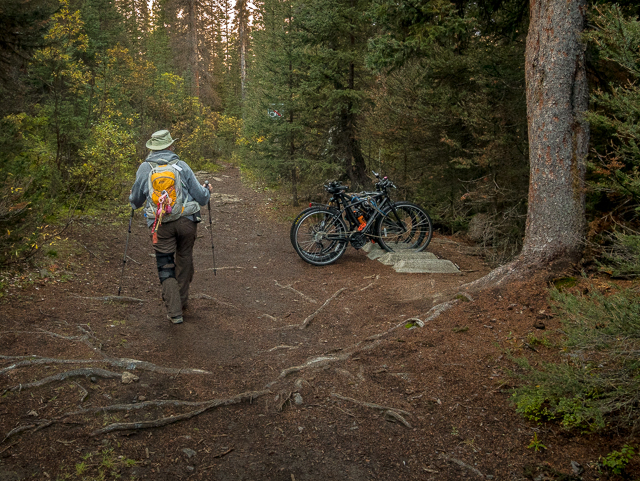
[616, 461]
[622, 257]
[597, 382]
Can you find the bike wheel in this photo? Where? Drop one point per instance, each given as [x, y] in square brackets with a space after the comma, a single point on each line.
[320, 236]
[405, 227]
[295, 223]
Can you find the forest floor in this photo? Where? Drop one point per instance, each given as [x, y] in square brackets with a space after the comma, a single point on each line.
[240, 391]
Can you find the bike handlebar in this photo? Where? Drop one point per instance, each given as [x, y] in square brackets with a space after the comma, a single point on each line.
[335, 186]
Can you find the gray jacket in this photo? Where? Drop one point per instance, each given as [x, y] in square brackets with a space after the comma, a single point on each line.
[192, 188]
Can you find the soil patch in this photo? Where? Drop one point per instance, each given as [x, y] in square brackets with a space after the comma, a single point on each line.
[241, 390]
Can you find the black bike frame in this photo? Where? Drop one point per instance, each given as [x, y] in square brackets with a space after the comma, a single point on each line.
[346, 206]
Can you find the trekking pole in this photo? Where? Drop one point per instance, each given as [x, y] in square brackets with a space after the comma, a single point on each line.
[213, 250]
[126, 246]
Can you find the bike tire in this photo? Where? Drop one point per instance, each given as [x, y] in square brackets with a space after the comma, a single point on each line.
[404, 227]
[310, 236]
[295, 223]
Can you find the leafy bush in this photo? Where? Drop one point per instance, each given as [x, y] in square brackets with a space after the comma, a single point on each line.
[616, 461]
[597, 384]
[109, 159]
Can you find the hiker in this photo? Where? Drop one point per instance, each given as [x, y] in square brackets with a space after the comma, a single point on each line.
[172, 197]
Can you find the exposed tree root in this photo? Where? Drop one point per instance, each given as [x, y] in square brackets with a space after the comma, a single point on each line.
[288, 286]
[369, 343]
[111, 298]
[282, 347]
[248, 396]
[47, 333]
[395, 417]
[17, 430]
[224, 268]
[370, 405]
[66, 375]
[124, 363]
[308, 320]
[519, 270]
[465, 465]
[32, 361]
[206, 296]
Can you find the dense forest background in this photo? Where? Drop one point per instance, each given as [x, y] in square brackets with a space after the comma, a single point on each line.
[429, 92]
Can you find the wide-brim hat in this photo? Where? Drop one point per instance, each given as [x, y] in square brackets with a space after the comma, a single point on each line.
[160, 140]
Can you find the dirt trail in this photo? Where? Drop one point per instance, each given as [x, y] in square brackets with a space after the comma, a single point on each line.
[355, 395]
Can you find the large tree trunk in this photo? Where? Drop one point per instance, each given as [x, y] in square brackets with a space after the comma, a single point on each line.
[557, 98]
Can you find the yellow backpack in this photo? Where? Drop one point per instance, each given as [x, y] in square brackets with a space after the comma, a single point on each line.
[166, 199]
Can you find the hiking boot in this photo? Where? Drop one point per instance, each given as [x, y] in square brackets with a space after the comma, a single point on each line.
[175, 320]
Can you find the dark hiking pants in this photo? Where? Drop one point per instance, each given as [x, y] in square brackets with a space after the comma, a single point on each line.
[174, 256]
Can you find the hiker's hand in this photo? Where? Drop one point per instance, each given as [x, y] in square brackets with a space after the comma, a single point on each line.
[207, 185]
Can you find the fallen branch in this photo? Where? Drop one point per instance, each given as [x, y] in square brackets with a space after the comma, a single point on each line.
[289, 287]
[370, 405]
[372, 283]
[308, 320]
[248, 396]
[85, 393]
[223, 454]
[131, 259]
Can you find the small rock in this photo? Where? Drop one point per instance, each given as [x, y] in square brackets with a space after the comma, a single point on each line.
[142, 398]
[93, 379]
[128, 378]
[300, 383]
[297, 398]
[32, 413]
[189, 452]
[190, 468]
[300, 429]
[539, 325]
[577, 468]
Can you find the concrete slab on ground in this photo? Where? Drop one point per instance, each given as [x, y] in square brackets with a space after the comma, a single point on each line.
[391, 258]
[432, 266]
[373, 251]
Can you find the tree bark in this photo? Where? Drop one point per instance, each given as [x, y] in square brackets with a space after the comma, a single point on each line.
[241, 8]
[192, 44]
[557, 97]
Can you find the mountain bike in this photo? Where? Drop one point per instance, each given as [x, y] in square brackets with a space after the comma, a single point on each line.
[321, 234]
